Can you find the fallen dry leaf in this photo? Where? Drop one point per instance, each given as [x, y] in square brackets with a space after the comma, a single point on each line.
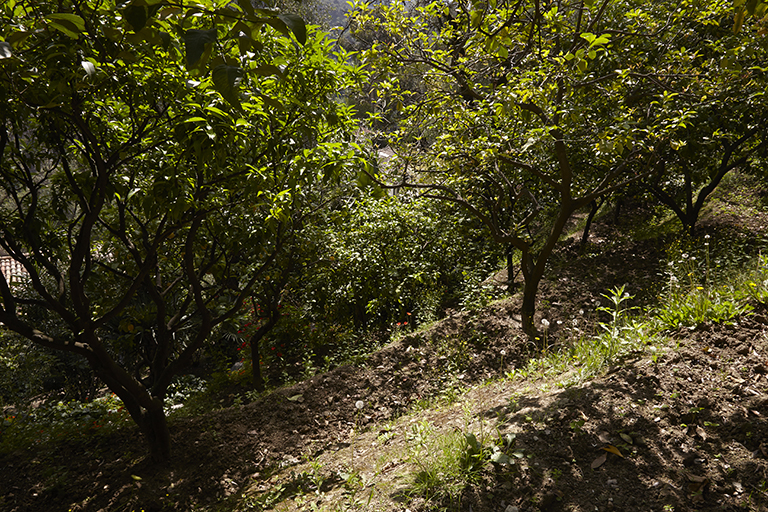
[599, 461]
[702, 434]
[604, 437]
[612, 449]
[626, 438]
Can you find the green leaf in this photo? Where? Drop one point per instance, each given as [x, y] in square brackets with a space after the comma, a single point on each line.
[113, 33]
[197, 43]
[76, 20]
[297, 26]
[603, 39]
[277, 24]
[226, 80]
[165, 39]
[364, 180]
[136, 16]
[476, 18]
[270, 101]
[140, 12]
[267, 70]
[244, 44]
[70, 25]
[16, 37]
[5, 50]
[738, 20]
[246, 6]
[472, 442]
[500, 458]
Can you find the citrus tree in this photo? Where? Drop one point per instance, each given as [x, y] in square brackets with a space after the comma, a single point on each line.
[156, 158]
[703, 89]
[517, 121]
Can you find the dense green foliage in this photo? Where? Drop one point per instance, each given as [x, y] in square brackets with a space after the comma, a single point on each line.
[398, 259]
[166, 155]
[527, 113]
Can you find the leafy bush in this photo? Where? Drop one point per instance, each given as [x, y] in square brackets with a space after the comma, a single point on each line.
[396, 259]
[61, 421]
[25, 371]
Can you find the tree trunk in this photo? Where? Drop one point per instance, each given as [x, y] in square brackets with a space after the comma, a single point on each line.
[585, 236]
[154, 426]
[617, 210]
[257, 379]
[534, 267]
[255, 340]
[144, 406]
[510, 269]
[530, 288]
[528, 309]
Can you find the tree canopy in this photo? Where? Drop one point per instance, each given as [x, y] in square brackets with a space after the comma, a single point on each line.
[157, 158]
[529, 112]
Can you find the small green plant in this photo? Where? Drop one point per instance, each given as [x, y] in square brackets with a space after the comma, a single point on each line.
[443, 461]
[276, 494]
[613, 336]
[692, 299]
[447, 462]
[755, 286]
[619, 335]
[698, 307]
[576, 425]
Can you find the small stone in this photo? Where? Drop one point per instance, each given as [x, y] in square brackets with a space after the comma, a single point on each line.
[511, 508]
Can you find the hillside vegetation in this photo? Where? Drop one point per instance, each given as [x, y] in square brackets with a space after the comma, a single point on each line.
[629, 400]
[490, 255]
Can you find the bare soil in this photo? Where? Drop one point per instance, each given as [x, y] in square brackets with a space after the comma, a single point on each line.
[690, 424]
